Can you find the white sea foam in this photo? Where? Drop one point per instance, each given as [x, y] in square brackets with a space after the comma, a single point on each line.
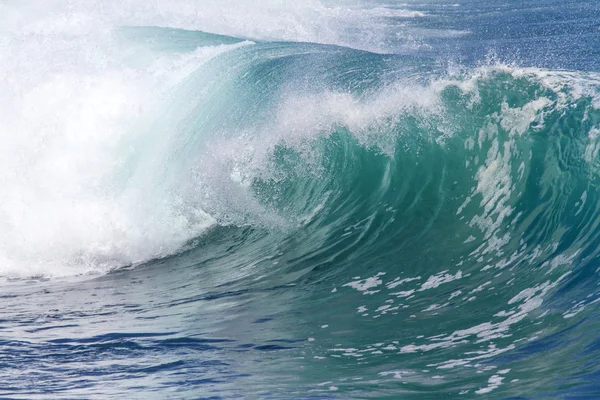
[72, 110]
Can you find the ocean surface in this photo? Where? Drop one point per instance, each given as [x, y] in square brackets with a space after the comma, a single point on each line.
[269, 199]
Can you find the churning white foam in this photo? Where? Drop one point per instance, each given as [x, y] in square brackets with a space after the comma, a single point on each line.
[74, 110]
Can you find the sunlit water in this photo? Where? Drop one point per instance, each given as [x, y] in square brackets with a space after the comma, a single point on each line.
[227, 199]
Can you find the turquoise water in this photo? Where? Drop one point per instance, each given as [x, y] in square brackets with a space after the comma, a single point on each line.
[299, 201]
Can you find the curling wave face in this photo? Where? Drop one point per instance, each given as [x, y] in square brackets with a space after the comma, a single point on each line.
[447, 217]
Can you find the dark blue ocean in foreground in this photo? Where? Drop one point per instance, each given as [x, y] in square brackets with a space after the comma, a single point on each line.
[326, 200]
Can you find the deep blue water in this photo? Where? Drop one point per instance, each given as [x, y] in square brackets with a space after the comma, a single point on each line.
[218, 200]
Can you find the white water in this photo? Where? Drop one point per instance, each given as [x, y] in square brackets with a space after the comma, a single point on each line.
[75, 105]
